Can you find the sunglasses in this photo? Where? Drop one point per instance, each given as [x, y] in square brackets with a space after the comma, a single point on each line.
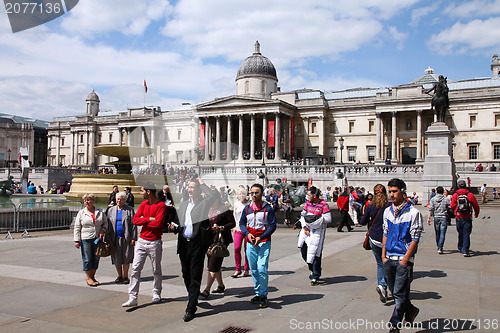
[254, 193]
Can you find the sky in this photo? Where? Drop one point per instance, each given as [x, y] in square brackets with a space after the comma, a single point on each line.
[189, 51]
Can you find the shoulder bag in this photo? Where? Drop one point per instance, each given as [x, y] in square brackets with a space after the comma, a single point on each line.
[105, 247]
[218, 249]
[366, 243]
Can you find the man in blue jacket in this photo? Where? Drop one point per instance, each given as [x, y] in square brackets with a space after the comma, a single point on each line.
[402, 228]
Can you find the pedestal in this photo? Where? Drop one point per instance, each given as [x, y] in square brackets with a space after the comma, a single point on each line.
[439, 166]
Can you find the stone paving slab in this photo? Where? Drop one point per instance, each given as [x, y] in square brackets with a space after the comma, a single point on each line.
[42, 288]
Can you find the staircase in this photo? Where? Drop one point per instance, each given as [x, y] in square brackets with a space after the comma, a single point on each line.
[489, 196]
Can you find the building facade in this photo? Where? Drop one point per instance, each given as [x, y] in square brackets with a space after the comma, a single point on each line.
[260, 123]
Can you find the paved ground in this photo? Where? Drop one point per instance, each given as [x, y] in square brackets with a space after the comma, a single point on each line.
[42, 289]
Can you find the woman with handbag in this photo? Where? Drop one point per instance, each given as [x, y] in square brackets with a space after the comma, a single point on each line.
[123, 234]
[374, 216]
[287, 204]
[90, 224]
[221, 221]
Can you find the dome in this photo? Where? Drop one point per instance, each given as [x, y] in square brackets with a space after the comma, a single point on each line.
[257, 65]
[93, 96]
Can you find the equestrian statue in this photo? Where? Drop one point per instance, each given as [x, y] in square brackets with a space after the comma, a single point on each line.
[440, 102]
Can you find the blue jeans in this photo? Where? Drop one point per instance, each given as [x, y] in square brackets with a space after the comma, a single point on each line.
[258, 260]
[440, 227]
[399, 278]
[464, 228]
[377, 253]
[315, 267]
[90, 260]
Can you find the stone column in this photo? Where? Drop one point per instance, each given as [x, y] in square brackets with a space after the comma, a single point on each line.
[305, 135]
[240, 138]
[382, 138]
[73, 148]
[58, 150]
[264, 135]
[129, 142]
[277, 138]
[207, 151]
[91, 148]
[419, 136]
[229, 133]
[252, 137]
[321, 135]
[86, 157]
[378, 128]
[394, 156]
[217, 138]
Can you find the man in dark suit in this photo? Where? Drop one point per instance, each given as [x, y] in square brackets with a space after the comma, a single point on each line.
[195, 236]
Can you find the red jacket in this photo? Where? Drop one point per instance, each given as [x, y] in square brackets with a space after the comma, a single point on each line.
[151, 230]
[473, 202]
[343, 202]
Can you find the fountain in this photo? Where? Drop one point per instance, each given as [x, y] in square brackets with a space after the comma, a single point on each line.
[101, 185]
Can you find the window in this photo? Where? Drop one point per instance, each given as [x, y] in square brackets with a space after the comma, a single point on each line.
[371, 154]
[99, 138]
[352, 154]
[53, 160]
[298, 128]
[332, 155]
[388, 153]
[314, 151]
[263, 86]
[110, 137]
[351, 126]
[247, 87]
[165, 135]
[179, 134]
[496, 152]
[81, 138]
[80, 158]
[62, 160]
[472, 121]
[371, 126]
[408, 125]
[179, 156]
[313, 128]
[497, 120]
[62, 141]
[473, 151]
[165, 156]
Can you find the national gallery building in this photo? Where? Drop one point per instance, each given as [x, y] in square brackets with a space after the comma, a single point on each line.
[262, 124]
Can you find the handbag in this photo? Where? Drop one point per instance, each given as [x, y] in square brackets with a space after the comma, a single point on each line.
[366, 243]
[450, 212]
[218, 249]
[105, 247]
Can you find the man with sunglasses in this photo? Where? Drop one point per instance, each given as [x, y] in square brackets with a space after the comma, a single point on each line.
[257, 223]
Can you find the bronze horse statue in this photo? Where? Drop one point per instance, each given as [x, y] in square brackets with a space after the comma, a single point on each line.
[440, 102]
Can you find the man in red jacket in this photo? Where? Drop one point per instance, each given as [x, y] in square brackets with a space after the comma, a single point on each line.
[463, 213]
[343, 205]
[150, 216]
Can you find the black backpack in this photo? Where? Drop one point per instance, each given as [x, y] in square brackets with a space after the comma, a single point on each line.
[463, 204]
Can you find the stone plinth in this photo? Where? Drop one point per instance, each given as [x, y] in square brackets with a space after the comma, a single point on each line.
[439, 168]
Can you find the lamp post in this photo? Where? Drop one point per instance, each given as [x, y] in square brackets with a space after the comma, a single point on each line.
[341, 140]
[197, 152]
[263, 152]
[48, 157]
[8, 162]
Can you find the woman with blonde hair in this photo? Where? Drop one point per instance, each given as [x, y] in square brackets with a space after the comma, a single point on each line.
[374, 216]
[90, 223]
[239, 238]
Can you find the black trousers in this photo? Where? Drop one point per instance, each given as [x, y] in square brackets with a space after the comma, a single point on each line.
[344, 220]
[192, 257]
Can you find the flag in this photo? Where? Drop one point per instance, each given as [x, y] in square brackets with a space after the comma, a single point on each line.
[270, 134]
[145, 87]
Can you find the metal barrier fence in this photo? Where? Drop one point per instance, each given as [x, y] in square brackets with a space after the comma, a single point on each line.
[7, 217]
[32, 216]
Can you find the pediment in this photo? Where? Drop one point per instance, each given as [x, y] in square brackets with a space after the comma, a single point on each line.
[235, 101]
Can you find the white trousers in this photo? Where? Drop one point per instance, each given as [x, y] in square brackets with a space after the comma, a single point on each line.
[143, 249]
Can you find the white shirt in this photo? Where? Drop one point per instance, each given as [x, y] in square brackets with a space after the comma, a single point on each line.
[188, 225]
[483, 189]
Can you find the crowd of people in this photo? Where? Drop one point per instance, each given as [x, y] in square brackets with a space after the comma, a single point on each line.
[206, 222]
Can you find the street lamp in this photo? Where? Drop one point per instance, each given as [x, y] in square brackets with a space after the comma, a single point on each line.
[341, 140]
[262, 176]
[48, 156]
[263, 152]
[8, 162]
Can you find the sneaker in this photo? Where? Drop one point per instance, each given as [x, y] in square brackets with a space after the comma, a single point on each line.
[394, 330]
[263, 302]
[310, 275]
[410, 317]
[466, 255]
[255, 300]
[314, 282]
[382, 293]
[440, 251]
[130, 302]
[156, 299]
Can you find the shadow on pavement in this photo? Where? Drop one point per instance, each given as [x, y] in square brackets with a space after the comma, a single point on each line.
[433, 274]
[342, 279]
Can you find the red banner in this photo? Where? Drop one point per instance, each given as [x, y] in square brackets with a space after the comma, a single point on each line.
[292, 135]
[202, 136]
[270, 134]
[309, 182]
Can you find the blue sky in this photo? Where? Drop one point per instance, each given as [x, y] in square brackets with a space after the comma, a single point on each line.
[190, 50]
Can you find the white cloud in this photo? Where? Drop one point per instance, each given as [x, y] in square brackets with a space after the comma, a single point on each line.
[461, 37]
[126, 16]
[419, 13]
[398, 37]
[474, 8]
